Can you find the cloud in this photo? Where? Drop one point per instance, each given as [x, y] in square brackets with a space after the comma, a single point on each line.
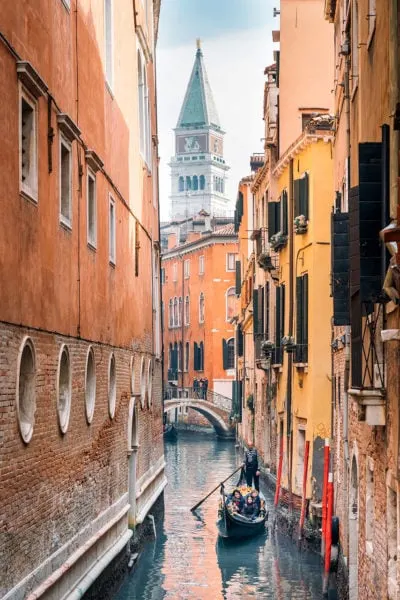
[235, 63]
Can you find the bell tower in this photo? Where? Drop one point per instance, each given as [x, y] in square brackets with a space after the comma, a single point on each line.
[198, 169]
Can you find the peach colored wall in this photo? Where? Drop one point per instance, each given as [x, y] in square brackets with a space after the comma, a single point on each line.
[306, 65]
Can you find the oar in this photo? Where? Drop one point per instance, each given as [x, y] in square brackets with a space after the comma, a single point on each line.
[215, 489]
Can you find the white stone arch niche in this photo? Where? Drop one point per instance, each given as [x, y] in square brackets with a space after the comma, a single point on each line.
[25, 391]
[354, 504]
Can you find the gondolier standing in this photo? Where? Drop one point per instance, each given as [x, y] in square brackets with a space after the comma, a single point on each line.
[251, 466]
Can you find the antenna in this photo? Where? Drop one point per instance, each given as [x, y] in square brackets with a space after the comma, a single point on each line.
[198, 43]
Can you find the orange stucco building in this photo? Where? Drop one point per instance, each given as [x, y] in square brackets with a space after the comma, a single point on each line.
[80, 374]
[198, 294]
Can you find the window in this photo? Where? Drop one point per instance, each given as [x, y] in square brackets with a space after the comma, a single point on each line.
[195, 183]
[202, 182]
[65, 182]
[301, 194]
[175, 272]
[112, 253]
[143, 386]
[198, 356]
[187, 351]
[150, 382]
[180, 356]
[64, 389]
[90, 385]
[28, 147]
[162, 275]
[108, 38]
[302, 319]
[181, 184]
[187, 310]
[371, 19]
[112, 386]
[228, 354]
[188, 183]
[180, 312]
[144, 111]
[201, 265]
[176, 313]
[187, 269]
[230, 303]
[171, 313]
[91, 210]
[201, 308]
[354, 43]
[230, 261]
[26, 390]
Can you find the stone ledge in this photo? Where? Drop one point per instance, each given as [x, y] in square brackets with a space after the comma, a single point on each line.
[375, 405]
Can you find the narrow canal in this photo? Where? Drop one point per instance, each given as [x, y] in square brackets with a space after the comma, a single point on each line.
[189, 561]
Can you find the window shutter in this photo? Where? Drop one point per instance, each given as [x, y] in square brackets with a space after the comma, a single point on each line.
[282, 309]
[195, 357]
[272, 206]
[255, 313]
[356, 341]
[340, 268]
[266, 305]
[284, 202]
[224, 354]
[201, 356]
[238, 282]
[299, 319]
[239, 341]
[296, 191]
[278, 325]
[304, 194]
[305, 318]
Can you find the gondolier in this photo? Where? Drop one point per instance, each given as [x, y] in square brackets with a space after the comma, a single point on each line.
[251, 466]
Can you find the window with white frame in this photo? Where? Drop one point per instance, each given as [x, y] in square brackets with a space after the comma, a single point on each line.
[230, 352]
[144, 110]
[201, 308]
[186, 268]
[175, 272]
[108, 39]
[201, 265]
[65, 182]
[230, 303]
[91, 210]
[28, 146]
[187, 310]
[176, 313]
[111, 224]
[230, 261]
[187, 353]
[180, 312]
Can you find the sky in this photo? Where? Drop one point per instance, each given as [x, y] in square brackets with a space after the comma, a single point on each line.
[237, 45]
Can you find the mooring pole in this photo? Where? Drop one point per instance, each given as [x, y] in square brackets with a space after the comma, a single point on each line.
[325, 494]
[278, 479]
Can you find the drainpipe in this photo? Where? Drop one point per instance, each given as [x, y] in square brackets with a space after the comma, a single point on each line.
[346, 398]
[289, 420]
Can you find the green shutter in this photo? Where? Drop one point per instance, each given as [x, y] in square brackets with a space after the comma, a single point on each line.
[305, 318]
[304, 193]
[266, 301]
[284, 226]
[255, 313]
[299, 319]
[239, 341]
[277, 359]
[296, 193]
[238, 282]
[273, 218]
[224, 354]
[195, 357]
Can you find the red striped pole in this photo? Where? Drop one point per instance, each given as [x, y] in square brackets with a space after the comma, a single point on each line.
[278, 479]
[328, 530]
[303, 499]
[325, 491]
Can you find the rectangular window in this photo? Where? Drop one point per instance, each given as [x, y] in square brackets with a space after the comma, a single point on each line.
[186, 269]
[230, 261]
[301, 195]
[65, 182]
[28, 147]
[175, 272]
[108, 38]
[91, 210]
[163, 276]
[302, 319]
[201, 265]
[112, 249]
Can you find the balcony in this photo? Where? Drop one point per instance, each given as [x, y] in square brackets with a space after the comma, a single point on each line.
[265, 259]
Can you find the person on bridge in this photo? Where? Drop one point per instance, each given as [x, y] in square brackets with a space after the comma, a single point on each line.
[205, 388]
[195, 387]
[251, 466]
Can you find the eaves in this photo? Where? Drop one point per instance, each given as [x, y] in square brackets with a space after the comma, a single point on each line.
[198, 244]
[304, 140]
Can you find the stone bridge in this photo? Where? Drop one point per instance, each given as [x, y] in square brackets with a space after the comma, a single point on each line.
[214, 407]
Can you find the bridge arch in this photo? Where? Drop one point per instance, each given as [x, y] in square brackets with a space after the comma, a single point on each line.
[218, 418]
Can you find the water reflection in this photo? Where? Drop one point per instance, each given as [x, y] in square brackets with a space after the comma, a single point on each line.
[189, 561]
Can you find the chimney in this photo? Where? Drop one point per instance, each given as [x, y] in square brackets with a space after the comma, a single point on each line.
[171, 240]
[207, 224]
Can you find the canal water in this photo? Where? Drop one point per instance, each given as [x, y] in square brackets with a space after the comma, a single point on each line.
[188, 561]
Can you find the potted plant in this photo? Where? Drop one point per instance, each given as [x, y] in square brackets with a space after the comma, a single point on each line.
[267, 347]
[300, 224]
[278, 241]
[289, 343]
[250, 402]
[264, 261]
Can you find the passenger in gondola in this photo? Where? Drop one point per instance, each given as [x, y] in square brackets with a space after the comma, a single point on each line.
[256, 501]
[236, 501]
[250, 509]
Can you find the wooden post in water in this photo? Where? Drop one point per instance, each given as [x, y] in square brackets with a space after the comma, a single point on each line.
[325, 493]
[304, 496]
[278, 479]
[328, 528]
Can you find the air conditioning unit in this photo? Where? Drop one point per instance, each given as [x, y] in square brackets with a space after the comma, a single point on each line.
[379, 376]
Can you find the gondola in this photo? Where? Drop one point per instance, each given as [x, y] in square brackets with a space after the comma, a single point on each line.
[170, 433]
[234, 525]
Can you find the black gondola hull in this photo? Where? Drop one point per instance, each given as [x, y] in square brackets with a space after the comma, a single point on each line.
[170, 433]
[231, 526]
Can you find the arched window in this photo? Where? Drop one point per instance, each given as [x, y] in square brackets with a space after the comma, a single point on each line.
[26, 390]
[176, 313]
[181, 184]
[230, 354]
[201, 308]
[230, 303]
[195, 183]
[171, 313]
[171, 357]
[202, 182]
[180, 313]
[187, 350]
[188, 182]
[187, 310]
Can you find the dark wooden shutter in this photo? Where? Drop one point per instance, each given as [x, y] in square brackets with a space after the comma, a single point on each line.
[201, 352]
[340, 268]
[272, 218]
[296, 193]
[224, 354]
[305, 319]
[277, 324]
[239, 340]
[266, 303]
[195, 357]
[299, 319]
[255, 313]
[354, 241]
[356, 341]
[385, 257]
[304, 187]
[238, 281]
[284, 224]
